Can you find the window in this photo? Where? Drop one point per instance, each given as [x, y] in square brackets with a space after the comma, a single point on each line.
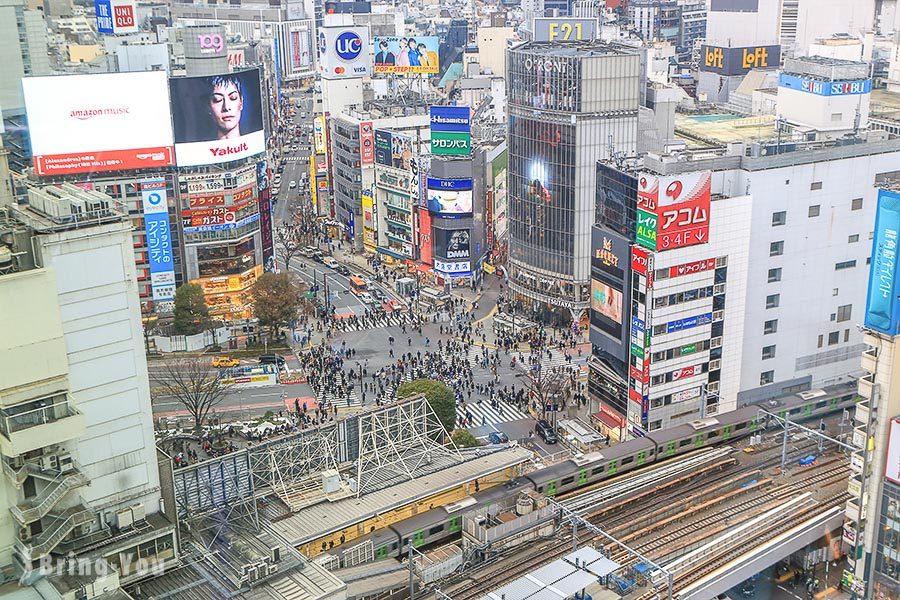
[837, 117]
[821, 341]
[773, 300]
[766, 377]
[846, 335]
[776, 248]
[834, 292]
[770, 326]
[768, 352]
[844, 312]
[856, 204]
[779, 218]
[815, 185]
[852, 239]
[847, 264]
[774, 275]
[834, 337]
[814, 210]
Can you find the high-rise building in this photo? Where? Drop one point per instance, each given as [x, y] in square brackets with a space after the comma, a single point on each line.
[570, 105]
[77, 445]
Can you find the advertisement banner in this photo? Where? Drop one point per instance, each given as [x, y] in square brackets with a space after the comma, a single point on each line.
[892, 464]
[344, 52]
[116, 16]
[319, 134]
[265, 215]
[563, 29]
[688, 323]
[449, 197]
[698, 266]
[687, 372]
[366, 143]
[606, 300]
[739, 61]
[452, 244]
[673, 212]
[393, 149]
[639, 260]
[825, 88]
[217, 119]
[426, 253]
[882, 304]
[159, 240]
[450, 119]
[400, 55]
[301, 56]
[369, 221]
[457, 269]
[205, 201]
[99, 122]
[450, 144]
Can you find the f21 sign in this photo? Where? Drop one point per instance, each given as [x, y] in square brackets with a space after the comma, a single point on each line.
[676, 210]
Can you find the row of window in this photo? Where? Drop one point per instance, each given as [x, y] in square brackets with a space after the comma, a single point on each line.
[681, 297]
[780, 217]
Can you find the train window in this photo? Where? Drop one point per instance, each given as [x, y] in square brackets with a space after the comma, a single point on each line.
[740, 426]
[712, 434]
[683, 443]
[540, 489]
[627, 460]
[436, 529]
[821, 405]
[567, 480]
[597, 471]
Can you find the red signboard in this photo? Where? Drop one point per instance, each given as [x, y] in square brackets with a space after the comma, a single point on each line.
[366, 143]
[425, 242]
[612, 415]
[687, 372]
[636, 373]
[690, 268]
[636, 396]
[215, 215]
[681, 204]
[639, 260]
[204, 201]
[104, 160]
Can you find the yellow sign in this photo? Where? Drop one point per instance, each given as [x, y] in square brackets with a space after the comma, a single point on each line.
[489, 268]
[319, 134]
[606, 254]
[312, 178]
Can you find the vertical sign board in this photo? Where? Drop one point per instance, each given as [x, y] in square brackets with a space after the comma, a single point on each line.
[673, 212]
[366, 143]
[892, 464]
[103, 11]
[450, 130]
[882, 305]
[159, 240]
[265, 215]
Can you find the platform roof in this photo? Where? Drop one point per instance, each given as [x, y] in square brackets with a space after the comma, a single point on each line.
[559, 579]
[321, 519]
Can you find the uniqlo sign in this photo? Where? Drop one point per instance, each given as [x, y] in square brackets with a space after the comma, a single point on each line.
[680, 206]
[116, 16]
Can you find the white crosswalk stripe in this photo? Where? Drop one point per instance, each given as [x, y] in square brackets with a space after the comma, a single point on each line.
[383, 320]
[484, 414]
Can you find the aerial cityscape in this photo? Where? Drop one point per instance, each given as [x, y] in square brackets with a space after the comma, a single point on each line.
[460, 300]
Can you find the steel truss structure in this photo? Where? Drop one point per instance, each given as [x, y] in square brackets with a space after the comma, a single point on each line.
[289, 467]
[401, 442]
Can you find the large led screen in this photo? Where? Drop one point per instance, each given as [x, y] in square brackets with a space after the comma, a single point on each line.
[217, 119]
[99, 122]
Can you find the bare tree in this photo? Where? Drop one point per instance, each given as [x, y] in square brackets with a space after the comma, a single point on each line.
[194, 384]
[546, 387]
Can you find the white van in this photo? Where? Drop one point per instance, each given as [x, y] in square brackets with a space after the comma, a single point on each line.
[329, 261]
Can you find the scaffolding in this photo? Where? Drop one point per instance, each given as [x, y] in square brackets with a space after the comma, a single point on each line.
[401, 442]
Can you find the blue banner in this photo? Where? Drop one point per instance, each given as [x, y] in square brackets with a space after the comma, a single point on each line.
[882, 306]
[689, 322]
[825, 88]
[449, 184]
[104, 13]
[155, 205]
[450, 119]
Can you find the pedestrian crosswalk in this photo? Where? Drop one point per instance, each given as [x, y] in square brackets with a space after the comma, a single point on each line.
[294, 158]
[393, 319]
[482, 413]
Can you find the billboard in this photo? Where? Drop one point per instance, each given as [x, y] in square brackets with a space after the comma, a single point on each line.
[606, 301]
[265, 215]
[739, 61]
[453, 269]
[319, 134]
[688, 323]
[882, 304]
[892, 463]
[452, 244]
[347, 7]
[217, 119]
[398, 55]
[344, 52]
[115, 16]
[366, 143]
[734, 5]
[824, 88]
[697, 266]
[450, 130]
[100, 122]
[159, 240]
[426, 253]
[564, 29]
[393, 149]
[301, 53]
[449, 197]
[677, 217]
[369, 226]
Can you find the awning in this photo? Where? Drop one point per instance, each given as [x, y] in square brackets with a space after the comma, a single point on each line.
[607, 420]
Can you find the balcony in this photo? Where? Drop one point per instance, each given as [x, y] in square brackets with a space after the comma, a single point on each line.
[866, 383]
[869, 359]
[40, 506]
[38, 424]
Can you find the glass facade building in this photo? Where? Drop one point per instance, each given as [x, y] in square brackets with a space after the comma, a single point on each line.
[570, 105]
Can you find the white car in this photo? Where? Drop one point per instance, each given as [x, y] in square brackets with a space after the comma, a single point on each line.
[293, 185]
[366, 298]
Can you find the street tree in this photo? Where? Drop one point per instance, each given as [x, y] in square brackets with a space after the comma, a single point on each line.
[464, 439]
[545, 387]
[276, 300]
[194, 384]
[191, 312]
[288, 245]
[439, 396]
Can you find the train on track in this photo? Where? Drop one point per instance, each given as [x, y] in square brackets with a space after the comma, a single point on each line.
[443, 523]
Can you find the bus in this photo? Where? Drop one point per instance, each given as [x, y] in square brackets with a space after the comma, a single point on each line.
[357, 285]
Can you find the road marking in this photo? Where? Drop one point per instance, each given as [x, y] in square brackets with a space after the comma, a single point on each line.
[787, 591]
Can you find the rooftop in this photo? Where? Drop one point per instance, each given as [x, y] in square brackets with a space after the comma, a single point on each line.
[321, 519]
[715, 129]
[580, 49]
